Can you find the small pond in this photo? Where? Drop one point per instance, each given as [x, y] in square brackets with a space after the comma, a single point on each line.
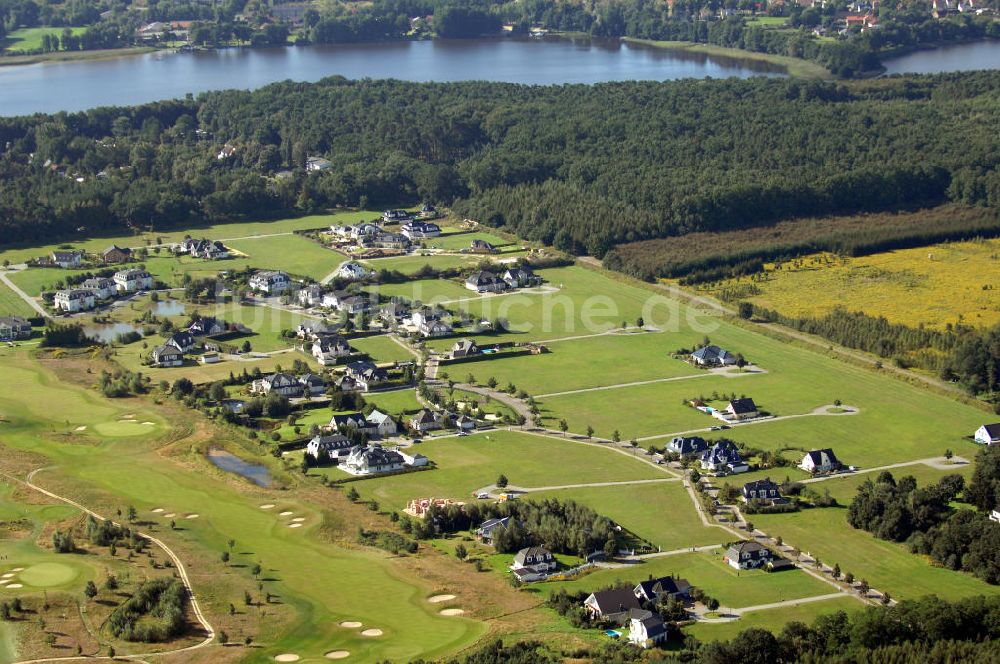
[167, 308]
[108, 333]
[231, 463]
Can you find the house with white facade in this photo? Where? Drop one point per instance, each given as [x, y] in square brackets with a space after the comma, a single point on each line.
[73, 300]
[747, 555]
[533, 563]
[988, 434]
[270, 282]
[67, 259]
[133, 280]
[713, 356]
[372, 460]
[820, 461]
[167, 356]
[647, 631]
[328, 348]
[382, 424]
[102, 287]
[420, 230]
[724, 458]
[351, 270]
[278, 383]
[485, 281]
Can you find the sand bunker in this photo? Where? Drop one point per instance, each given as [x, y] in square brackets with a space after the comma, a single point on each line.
[372, 632]
[295, 525]
[128, 417]
[299, 519]
[158, 510]
[14, 586]
[80, 429]
[266, 507]
[7, 575]
[452, 612]
[17, 569]
[192, 516]
[440, 598]
[337, 654]
[5, 581]
[149, 424]
[169, 516]
[350, 624]
[286, 513]
[287, 657]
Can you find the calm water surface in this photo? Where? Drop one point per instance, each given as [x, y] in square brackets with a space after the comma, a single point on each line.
[259, 475]
[73, 86]
[960, 57]
[107, 333]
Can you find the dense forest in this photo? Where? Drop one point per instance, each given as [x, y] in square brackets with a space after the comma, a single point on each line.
[583, 168]
[960, 539]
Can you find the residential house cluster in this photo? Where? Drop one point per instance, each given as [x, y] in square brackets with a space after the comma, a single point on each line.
[290, 386]
[723, 458]
[485, 281]
[623, 606]
[203, 248]
[87, 294]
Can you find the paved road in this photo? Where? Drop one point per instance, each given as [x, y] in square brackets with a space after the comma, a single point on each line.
[493, 488]
[178, 566]
[819, 411]
[939, 463]
[703, 374]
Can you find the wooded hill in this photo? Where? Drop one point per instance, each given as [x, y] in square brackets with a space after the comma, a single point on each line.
[581, 167]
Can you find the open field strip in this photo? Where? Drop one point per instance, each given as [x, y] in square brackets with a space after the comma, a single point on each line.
[293, 254]
[819, 411]
[726, 374]
[510, 488]
[773, 620]
[234, 230]
[15, 302]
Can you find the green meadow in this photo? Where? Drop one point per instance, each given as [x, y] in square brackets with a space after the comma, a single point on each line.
[294, 254]
[382, 349]
[30, 39]
[11, 303]
[412, 263]
[773, 619]
[467, 463]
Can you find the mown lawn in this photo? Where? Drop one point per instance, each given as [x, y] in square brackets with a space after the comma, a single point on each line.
[30, 39]
[396, 402]
[465, 464]
[222, 231]
[460, 241]
[427, 291]
[11, 303]
[382, 349]
[294, 254]
[660, 513]
[773, 619]
[706, 570]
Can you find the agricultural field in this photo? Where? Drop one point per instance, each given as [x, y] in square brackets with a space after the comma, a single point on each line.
[936, 286]
[30, 39]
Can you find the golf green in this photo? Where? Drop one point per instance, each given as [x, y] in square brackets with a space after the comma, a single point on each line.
[47, 575]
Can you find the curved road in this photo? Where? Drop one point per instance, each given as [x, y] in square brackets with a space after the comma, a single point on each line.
[178, 565]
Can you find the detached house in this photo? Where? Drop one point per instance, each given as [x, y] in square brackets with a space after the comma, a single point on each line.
[738, 410]
[396, 216]
[270, 282]
[332, 446]
[182, 341]
[131, 281]
[425, 420]
[344, 422]
[464, 348]
[724, 458]
[481, 247]
[434, 328]
[313, 329]
[13, 328]
[763, 491]
[614, 604]
[988, 434]
[167, 356]
[327, 349]
[372, 460]
[312, 385]
[687, 446]
[351, 270]
[419, 230]
[67, 259]
[647, 630]
[657, 590]
[310, 296]
[485, 282]
[713, 356]
[381, 424]
[207, 326]
[279, 383]
[533, 563]
[101, 287]
[116, 254]
[747, 555]
[73, 300]
[820, 461]
[518, 277]
[487, 531]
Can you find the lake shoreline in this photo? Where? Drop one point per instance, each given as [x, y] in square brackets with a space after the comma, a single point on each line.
[75, 56]
[794, 67]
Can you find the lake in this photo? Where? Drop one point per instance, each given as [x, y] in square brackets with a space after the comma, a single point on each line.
[74, 86]
[959, 57]
[231, 463]
[109, 333]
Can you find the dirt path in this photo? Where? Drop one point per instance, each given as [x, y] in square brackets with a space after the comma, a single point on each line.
[492, 489]
[818, 411]
[704, 374]
[940, 463]
[178, 566]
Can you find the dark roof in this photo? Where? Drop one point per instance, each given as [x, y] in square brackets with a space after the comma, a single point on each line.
[745, 405]
[654, 625]
[688, 445]
[746, 546]
[817, 456]
[760, 485]
[349, 420]
[665, 584]
[992, 430]
[615, 600]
